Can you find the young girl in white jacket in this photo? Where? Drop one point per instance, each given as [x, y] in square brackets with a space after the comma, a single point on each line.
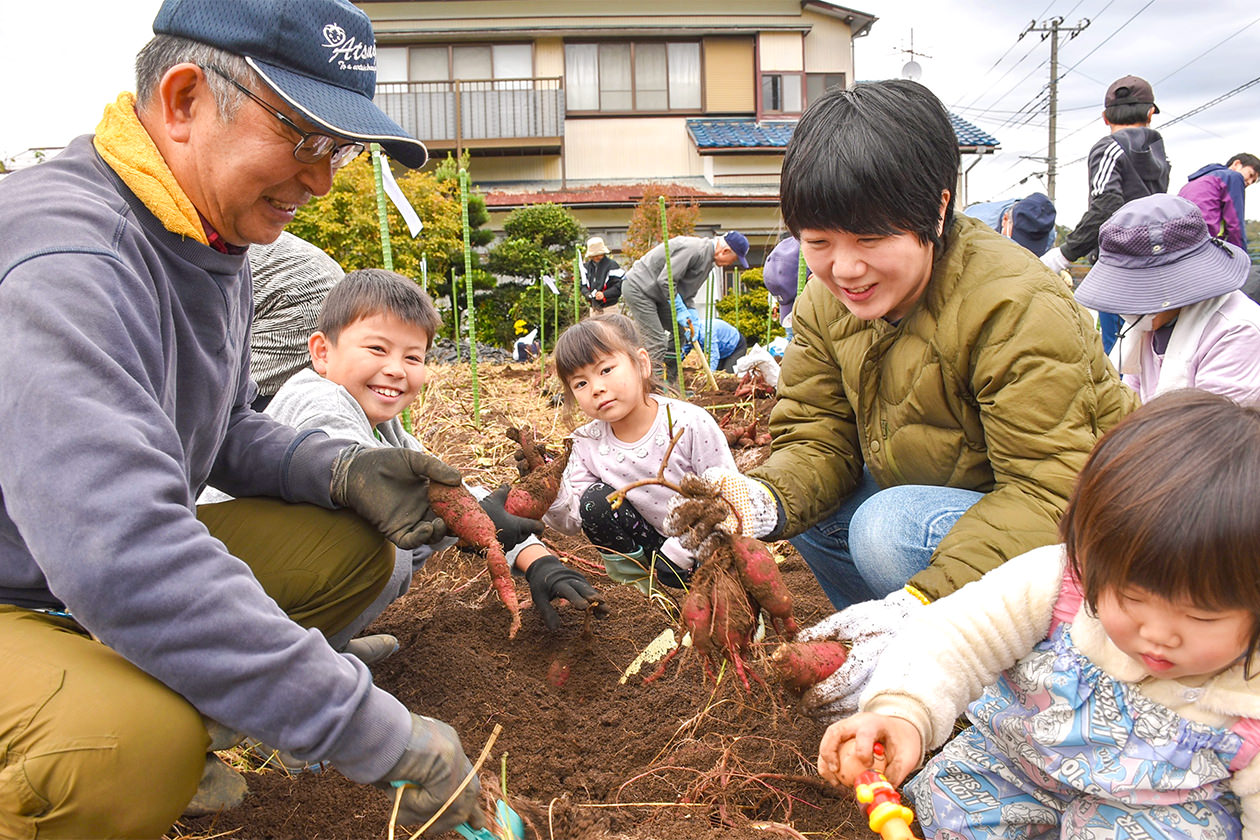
[1108, 679]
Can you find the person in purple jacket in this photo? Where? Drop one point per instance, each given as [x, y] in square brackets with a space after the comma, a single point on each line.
[1218, 192]
[135, 626]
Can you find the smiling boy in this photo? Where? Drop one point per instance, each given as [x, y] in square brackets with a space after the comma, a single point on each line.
[367, 355]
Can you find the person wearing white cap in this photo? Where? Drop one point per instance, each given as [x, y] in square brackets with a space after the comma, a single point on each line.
[601, 278]
[646, 287]
[131, 619]
[1189, 325]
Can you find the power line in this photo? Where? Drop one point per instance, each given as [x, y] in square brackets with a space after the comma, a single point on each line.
[1208, 50]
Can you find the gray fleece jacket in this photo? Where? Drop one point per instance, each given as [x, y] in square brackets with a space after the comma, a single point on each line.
[124, 389]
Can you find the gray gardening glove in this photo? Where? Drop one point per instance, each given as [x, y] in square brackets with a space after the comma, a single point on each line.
[433, 766]
[869, 626]
[389, 487]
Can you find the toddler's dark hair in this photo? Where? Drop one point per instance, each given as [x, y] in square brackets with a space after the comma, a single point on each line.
[601, 335]
[873, 160]
[1166, 502]
[373, 291]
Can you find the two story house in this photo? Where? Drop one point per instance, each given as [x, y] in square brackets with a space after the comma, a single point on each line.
[584, 104]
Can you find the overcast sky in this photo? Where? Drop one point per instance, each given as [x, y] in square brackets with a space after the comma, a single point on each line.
[58, 73]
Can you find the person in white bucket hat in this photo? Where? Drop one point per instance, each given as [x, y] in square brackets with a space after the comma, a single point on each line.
[1186, 324]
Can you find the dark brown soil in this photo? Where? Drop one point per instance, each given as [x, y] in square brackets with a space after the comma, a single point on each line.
[587, 755]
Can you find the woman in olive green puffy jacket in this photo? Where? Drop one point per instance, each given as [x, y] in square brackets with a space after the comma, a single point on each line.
[941, 391]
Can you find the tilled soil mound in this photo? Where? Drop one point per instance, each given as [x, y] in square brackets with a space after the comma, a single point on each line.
[589, 754]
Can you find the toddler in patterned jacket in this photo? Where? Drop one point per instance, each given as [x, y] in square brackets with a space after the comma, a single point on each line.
[1109, 677]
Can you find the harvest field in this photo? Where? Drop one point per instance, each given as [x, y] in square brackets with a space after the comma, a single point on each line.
[586, 752]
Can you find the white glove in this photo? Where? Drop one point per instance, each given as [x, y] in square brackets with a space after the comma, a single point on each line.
[869, 626]
[756, 505]
[1055, 261]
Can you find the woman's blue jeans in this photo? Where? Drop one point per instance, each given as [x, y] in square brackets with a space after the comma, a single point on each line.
[879, 539]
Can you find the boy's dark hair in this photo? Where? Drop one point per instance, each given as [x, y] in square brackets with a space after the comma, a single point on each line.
[373, 291]
[1134, 113]
[874, 160]
[587, 340]
[1246, 160]
[1166, 503]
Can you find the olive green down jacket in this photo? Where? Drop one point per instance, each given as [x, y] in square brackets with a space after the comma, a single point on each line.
[994, 381]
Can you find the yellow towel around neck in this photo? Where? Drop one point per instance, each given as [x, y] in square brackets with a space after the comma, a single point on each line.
[129, 150]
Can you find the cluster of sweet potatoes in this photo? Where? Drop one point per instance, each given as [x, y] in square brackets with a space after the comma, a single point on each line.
[736, 580]
[741, 435]
[530, 498]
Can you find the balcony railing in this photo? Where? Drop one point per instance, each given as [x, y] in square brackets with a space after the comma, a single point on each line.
[477, 112]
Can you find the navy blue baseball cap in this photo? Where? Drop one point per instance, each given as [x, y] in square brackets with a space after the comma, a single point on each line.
[738, 243]
[317, 55]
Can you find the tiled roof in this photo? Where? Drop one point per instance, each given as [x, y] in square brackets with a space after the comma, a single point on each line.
[750, 134]
[969, 135]
[740, 134]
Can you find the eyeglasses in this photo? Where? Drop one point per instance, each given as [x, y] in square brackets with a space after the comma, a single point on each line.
[312, 148]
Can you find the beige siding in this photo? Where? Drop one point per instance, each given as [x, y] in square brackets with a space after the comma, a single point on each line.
[828, 46]
[506, 170]
[729, 76]
[781, 51]
[628, 149]
[549, 57]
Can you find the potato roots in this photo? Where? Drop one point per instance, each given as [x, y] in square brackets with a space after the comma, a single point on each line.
[737, 578]
[465, 519]
[533, 494]
[802, 665]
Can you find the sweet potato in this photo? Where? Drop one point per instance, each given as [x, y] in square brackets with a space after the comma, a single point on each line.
[802, 665]
[465, 519]
[533, 494]
[760, 576]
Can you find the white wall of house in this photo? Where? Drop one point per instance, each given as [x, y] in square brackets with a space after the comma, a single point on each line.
[630, 149]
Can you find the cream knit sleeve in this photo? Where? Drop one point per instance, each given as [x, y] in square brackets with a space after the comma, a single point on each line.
[950, 651]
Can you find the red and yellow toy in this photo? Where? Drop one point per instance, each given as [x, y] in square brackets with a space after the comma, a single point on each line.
[880, 801]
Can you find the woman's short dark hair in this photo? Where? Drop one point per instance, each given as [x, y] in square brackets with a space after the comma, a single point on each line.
[1134, 113]
[375, 291]
[873, 159]
[1166, 502]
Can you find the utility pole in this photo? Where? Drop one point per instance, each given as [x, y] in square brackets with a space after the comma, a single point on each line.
[1051, 29]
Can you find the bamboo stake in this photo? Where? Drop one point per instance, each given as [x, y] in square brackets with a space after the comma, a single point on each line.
[577, 274]
[382, 217]
[669, 270]
[468, 288]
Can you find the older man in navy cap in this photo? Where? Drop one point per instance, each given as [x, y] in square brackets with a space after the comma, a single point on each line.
[130, 620]
[645, 291]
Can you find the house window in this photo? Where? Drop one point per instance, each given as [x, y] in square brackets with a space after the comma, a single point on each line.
[780, 93]
[816, 84]
[466, 63]
[633, 76]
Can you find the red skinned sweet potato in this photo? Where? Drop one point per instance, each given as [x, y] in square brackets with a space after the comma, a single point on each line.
[533, 494]
[803, 665]
[760, 576]
[465, 519]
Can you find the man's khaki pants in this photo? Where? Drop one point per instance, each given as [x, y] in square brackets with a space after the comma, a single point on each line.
[93, 747]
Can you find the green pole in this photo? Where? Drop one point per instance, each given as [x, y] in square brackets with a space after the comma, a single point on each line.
[556, 332]
[387, 254]
[577, 276]
[468, 289]
[542, 329]
[738, 292]
[669, 270]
